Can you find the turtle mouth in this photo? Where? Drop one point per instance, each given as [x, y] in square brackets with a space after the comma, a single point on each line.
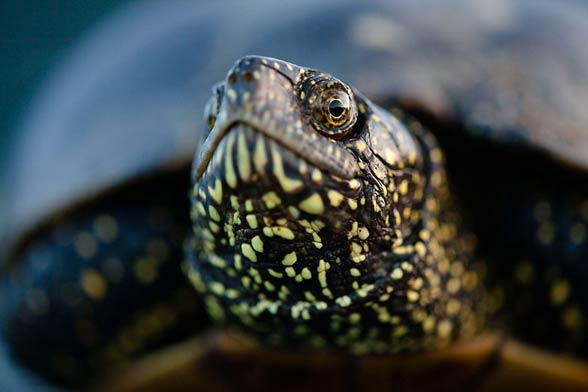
[335, 160]
[245, 159]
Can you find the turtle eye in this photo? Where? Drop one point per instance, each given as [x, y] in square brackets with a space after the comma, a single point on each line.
[332, 108]
[337, 109]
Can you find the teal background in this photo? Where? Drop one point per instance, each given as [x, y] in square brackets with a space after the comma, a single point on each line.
[34, 36]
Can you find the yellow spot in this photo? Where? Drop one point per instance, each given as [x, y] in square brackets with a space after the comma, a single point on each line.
[453, 285]
[200, 192]
[335, 198]
[232, 94]
[309, 296]
[403, 187]
[305, 273]
[234, 202]
[216, 192]
[106, 228]
[396, 274]
[213, 213]
[237, 262]
[355, 248]
[560, 291]
[421, 249]
[322, 272]
[363, 233]
[289, 259]
[200, 208]
[429, 324]
[355, 272]
[248, 205]
[257, 244]
[283, 232]
[353, 231]
[248, 252]
[194, 278]
[214, 227]
[354, 184]
[412, 296]
[93, 284]
[390, 156]
[360, 145]
[436, 155]
[217, 288]
[452, 308]
[294, 212]
[289, 185]
[316, 175]
[243, 158]
[230, 175]
[271, 200]
[416, 284]
[259, 155]
[444, 329]
[343, 301]
[251, 221]
[216, 261]
[470, 280]
[352, 204]
[313, 204]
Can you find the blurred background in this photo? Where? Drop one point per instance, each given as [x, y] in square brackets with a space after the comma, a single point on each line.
[34, 36]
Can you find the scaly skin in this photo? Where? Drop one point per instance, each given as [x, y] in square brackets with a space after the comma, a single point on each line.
[327, 224]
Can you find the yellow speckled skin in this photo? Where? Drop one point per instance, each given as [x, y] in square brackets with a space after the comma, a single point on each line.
[322, 232]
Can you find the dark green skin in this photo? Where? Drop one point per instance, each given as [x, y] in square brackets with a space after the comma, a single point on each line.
[493, 88]
[316, 231]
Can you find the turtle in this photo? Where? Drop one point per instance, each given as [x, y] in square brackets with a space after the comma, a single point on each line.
[466, 117]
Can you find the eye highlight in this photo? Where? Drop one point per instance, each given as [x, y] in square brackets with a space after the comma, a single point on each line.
[330, 104]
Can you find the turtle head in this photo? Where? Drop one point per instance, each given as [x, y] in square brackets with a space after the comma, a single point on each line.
[307, 209]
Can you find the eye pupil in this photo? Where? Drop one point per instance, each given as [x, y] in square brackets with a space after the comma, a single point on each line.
[336, 108]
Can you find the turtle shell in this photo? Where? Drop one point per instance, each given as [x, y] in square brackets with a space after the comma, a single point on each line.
[220, 361]
[127, 101]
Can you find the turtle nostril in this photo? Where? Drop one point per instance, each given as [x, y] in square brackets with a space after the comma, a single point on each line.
[247, 76]
[232, 78]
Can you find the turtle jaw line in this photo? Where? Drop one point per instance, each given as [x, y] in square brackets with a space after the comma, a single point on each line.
[210, 146]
